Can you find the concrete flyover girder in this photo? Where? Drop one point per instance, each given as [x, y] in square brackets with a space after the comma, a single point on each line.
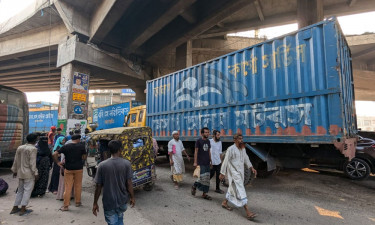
[30, 41]
[337, 9]
[362, 39]
[364, 81]
[105, 18]
[75, 20]
[154, 23]
[179, 31]
[108, 66]
[31, 62]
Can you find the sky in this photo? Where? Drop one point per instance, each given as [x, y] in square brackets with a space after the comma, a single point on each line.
[353, 24]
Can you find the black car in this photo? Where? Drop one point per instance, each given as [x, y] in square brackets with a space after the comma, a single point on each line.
[363, 164]
[359, 168]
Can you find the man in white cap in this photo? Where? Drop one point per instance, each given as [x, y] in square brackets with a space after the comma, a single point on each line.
[175, 149]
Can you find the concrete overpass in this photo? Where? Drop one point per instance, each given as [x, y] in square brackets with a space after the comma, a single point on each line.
[123, 43]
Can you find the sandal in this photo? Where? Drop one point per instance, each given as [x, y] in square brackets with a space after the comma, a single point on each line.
[64, 208]
[251, 216]
[227, 207]
[78, 204]
[219, 191]
[26, 212]
[207, 197]
[193, 190]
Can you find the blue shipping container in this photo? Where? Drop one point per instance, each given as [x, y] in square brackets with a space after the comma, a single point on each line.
[297, 88]
[111, 116]
[41, 121]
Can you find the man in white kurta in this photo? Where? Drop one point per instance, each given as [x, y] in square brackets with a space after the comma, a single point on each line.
[234, 168]
[175, 149]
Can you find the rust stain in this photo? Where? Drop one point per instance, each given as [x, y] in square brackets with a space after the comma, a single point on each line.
[189, 132]
[306, 130]
[184, 133]
[195, 133]
[222, 132]
[280, 131]
[230, 132]
[248, 132]
[334, 130]
[321, 130]
[257, 131]
[239, 131]
[169, 133]
[268, 131]
[290, 131]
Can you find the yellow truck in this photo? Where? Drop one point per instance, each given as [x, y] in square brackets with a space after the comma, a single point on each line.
[136, 117]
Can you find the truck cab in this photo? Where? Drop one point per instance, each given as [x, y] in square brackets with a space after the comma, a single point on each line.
[136, 117]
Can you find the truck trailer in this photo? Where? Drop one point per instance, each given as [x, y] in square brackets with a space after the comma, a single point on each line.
[292, 98]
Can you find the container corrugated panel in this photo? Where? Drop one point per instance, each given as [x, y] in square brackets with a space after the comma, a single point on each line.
[296, 88]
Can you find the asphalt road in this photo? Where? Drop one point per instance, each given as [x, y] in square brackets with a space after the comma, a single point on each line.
[291, 197]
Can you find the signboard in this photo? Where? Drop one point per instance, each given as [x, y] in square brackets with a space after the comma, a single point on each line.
[80, 83]
[41, 121]
[73, 124]
[79, 97]
[62, 125]
[111, 116]
[127, 91]
[80, 88]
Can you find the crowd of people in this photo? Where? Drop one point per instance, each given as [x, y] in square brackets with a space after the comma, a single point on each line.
[45, 152]
[208, 161]
[66, 157]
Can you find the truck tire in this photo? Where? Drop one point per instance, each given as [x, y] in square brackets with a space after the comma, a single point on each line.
[357, 169]
[262, 171]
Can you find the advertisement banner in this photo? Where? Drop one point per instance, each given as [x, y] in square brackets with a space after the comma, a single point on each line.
[41, 121]
[111, 116]
[62, 125]
[80, 93]
[73, 124]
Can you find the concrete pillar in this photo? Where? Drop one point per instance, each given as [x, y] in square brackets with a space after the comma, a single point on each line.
[184, 55]
[309, 12]
[74, 97]
[140, 94]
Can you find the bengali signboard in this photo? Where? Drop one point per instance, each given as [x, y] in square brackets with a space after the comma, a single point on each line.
[111, 116]
[41, 121]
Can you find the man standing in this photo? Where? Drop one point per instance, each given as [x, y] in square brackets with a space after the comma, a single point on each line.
[24, 167]
[202, 158]
[216, 157]
[51, 137]
[233, 167]
[75, 154]
[175, 150]
[114, 176]
[57, 135]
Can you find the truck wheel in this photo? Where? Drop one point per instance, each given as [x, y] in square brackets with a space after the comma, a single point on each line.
[262, 171]
[357, 169]
[148, 187]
